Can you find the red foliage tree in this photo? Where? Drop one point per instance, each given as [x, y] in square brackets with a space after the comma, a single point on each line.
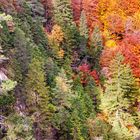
[107, 56]
[91, 9]
[85, 69]
[131, 57]
[95, 76]
[77, 8]
[116, 23]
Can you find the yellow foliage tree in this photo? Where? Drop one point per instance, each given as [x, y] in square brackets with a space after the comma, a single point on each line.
[57, 35]
[110, 44]
[136, 21]
[55, 40]
[112, 17]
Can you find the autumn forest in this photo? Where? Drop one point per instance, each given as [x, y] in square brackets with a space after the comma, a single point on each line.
[69, 69]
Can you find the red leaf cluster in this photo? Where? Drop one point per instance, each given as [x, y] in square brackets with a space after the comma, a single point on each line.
[131, 57]
[107, 56]
[85, 69]
[77, 8]
[95, 76]
[91, 9]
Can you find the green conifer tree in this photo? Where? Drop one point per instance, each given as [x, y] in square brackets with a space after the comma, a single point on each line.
[83, 28]
[62, 12]
[61, 99]
[96, 46]
[63, 17]
[19, 61]
[120, 94]
[19, 127]
[82, 109]
[36, 89]
[21, 50]
[62, 91]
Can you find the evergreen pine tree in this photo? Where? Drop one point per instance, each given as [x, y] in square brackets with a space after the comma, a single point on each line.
[120, 94]
[37, 9]
[94, 92]
[83, 28]
[36, 89]
[21, 51]
[19, 127]
[63, 17]
[61, 99]
[96, 39]
[96, 46]
[82, 109]
[62, 91]
[19, 60]
[62, 12]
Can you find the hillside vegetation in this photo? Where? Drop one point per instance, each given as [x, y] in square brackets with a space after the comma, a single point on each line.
[69, 69]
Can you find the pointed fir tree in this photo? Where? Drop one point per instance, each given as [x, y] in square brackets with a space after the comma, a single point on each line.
[21, 51]
[64, 18]
[96, 45]
[120, 95]
[62, 92]
[83, 28]
[62, 95]
[82, 108]
[36, 88]
[19, 127]
[94, 92]
[62, 12]
[19, 60]
[96, 39]
[37, 9]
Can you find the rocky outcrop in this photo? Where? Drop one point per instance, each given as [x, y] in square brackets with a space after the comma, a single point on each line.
[3, 61]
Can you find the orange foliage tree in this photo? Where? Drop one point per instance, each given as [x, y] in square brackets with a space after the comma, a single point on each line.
[55, 38]
[129, 6]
